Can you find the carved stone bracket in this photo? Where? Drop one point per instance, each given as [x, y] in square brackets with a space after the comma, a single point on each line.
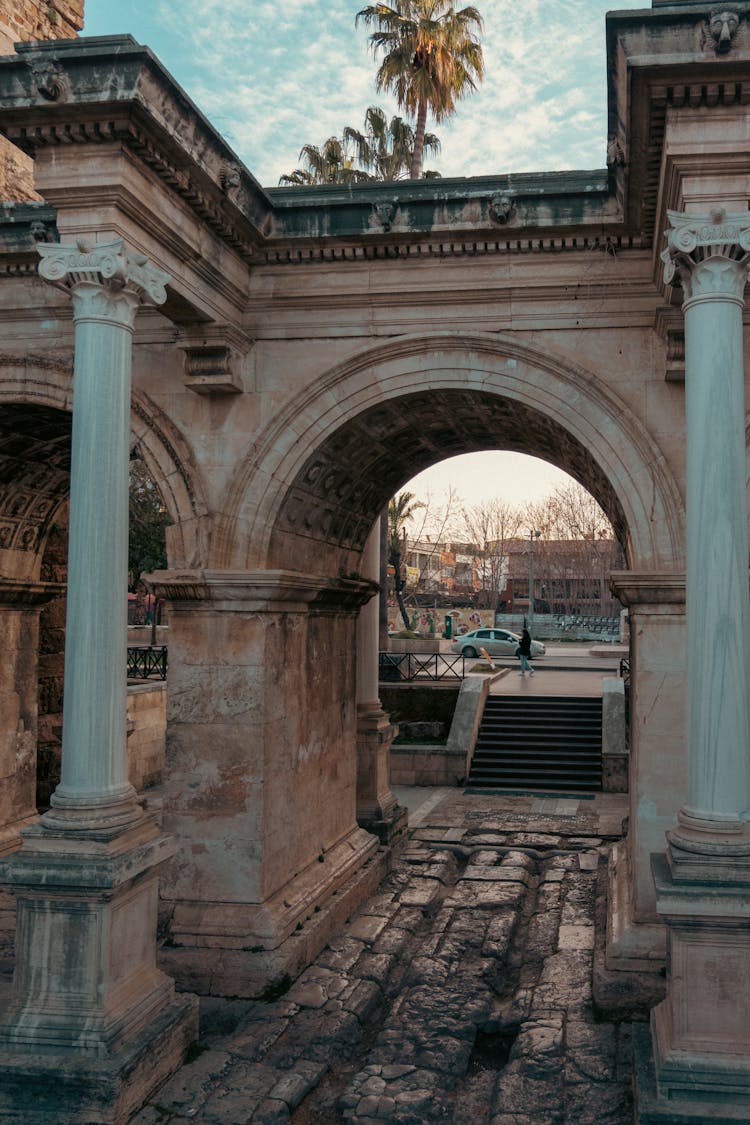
[209, 370]
[670, 327]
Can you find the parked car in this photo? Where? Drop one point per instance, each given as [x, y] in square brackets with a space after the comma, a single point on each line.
[496, 642]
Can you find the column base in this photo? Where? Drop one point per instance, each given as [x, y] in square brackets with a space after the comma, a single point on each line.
[91, 1026]
[700, 1033]
[631, 946]
[377, 810]
[651, 1108]
[57, 1090]
[387, 828]
[251, 949]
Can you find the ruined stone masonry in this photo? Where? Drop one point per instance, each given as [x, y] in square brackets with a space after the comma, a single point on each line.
[21, 22]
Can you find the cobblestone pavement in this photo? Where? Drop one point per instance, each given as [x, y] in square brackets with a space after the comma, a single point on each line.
[460, 993]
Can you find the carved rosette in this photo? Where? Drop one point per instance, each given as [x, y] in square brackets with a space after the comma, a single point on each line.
[708, 256]
[107, 281]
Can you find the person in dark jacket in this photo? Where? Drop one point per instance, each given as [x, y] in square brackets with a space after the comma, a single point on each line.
[524, 652]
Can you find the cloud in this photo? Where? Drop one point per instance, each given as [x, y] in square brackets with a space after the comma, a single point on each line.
[273, 75]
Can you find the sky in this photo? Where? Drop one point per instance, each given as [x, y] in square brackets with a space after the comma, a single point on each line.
[273, 75]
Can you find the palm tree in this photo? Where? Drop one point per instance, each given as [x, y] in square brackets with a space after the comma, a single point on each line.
[432, 58]
[330, 164]
[400, 509]
[386, 148]
[383, 149]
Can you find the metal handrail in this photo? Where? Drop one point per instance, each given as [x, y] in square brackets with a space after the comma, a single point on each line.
[147, 661]
[421, 665]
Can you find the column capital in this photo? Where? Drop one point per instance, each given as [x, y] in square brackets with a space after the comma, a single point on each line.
[708, 255]
[107, 280]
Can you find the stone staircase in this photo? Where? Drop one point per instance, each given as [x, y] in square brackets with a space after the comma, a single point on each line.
[536, 742]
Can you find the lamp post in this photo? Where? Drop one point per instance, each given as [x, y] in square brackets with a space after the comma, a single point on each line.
[532, 536]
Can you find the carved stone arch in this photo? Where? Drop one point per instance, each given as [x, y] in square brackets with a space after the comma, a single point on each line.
[36, 398]
[172, 466]
[289, 499]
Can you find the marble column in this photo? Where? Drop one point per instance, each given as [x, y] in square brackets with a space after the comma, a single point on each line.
[711, 257]
[107, 285]
[700, 1037]
[377, 809]
[92, 1026]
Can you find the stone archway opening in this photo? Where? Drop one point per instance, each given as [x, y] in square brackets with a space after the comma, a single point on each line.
[339, 491]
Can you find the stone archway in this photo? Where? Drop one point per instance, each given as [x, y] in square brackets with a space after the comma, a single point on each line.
[274, 620]
[328, 465]
[35, 441]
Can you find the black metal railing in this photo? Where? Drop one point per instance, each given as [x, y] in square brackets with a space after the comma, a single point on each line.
[147, 662]
[395, 666]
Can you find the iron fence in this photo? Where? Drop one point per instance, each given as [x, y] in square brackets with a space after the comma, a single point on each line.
[146, 662]
[400, 666]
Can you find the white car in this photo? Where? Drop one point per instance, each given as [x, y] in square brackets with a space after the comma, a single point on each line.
[496, 642]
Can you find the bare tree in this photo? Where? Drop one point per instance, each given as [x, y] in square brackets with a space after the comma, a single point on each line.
[575, 551]
[489, 527]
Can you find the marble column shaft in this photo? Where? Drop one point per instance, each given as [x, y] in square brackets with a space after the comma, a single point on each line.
[711, 256]
[107, 285]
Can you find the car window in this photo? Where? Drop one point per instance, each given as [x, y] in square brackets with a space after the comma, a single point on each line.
[483, 633]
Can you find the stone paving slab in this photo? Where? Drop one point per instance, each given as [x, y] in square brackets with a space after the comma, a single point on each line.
[461, 991]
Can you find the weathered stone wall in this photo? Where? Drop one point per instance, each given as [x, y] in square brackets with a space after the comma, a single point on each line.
[147, 722]
[20, 21]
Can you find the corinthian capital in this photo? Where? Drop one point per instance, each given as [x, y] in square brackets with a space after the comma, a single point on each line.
[103, 275]
[708, 255]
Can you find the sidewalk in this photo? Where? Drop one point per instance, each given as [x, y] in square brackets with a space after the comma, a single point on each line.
[547, 682]
[460, 993]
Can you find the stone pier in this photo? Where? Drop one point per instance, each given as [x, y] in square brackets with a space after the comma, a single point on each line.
[377, 809]
[93, 1026]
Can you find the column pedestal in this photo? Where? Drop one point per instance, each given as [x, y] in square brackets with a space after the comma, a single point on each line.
[695, 1065]
[92, 1027]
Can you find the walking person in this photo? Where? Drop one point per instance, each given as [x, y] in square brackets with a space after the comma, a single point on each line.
[524, 652]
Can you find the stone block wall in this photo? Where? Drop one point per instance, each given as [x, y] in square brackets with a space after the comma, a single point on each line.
[20, 21]
[147, 722]
[427, 765]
